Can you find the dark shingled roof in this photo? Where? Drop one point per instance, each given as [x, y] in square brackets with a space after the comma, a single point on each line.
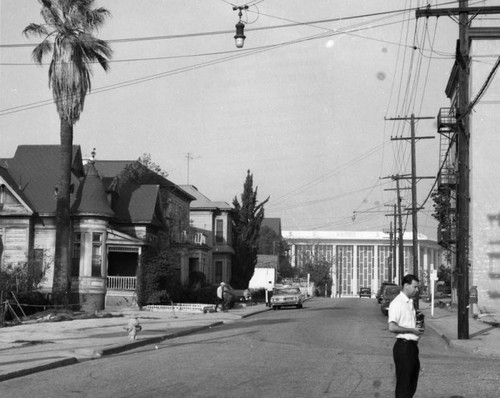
[267, 261]
[110, 169]
[35, 170]
[138, 204]
[91, 197]
[273, 223]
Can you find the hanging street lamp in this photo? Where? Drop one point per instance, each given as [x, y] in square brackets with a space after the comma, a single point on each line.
[240, 37]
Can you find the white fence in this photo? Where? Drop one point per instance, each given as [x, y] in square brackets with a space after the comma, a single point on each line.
[180, 307]
[121, 282]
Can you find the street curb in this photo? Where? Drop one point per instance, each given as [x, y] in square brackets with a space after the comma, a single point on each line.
[107, 351]
[255, 313]
[159, 339]
[96, 354]
[39, 368]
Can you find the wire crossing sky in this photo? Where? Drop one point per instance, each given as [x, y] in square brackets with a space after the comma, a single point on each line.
[302, 105]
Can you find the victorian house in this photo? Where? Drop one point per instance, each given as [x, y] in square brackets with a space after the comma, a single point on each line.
[114, 216]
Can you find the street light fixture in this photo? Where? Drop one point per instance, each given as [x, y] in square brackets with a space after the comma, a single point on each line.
[240, 37]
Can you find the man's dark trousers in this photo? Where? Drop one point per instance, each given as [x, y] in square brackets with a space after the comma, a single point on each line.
[405, 353]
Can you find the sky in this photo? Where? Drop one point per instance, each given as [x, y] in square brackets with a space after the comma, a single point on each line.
[305, 105]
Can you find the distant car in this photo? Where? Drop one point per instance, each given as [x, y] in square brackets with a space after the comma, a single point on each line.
[287, 297]
[365, 292]
[378, 296]
[241, 295]
[388, 294]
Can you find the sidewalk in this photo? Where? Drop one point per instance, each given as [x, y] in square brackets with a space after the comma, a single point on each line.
[33, 347]
[484, 338]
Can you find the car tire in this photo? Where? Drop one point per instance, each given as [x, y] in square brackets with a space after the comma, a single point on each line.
[274, 308]
[299, 305]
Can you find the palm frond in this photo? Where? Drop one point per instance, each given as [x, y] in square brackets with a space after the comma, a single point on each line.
[95, 18]
[73, 50]
[52, 13]
[34, 29]
[95, 50]
[40, 50]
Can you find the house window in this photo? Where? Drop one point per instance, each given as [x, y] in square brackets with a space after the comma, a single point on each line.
[75, 260]
[218, 271]
[219, 231]
[1, 248]
[2, 195]
[38, 264]
[194, 264]
[96, 254]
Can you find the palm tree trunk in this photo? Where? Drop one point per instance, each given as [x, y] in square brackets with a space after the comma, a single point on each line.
[62, 272]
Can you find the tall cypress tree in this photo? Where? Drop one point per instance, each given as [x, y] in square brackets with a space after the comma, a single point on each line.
[247, 218]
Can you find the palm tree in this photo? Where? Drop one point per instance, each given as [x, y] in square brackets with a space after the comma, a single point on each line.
[67, 34]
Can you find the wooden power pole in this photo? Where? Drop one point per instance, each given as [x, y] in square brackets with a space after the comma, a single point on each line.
[463, 132]
[414, 207]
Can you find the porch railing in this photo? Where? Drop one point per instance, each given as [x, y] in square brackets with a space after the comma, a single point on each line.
[121, 282]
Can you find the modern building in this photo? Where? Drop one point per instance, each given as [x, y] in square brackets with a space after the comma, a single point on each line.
[361, 259]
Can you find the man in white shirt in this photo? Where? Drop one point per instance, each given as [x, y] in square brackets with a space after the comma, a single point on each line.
[221, 292]
[402, 321]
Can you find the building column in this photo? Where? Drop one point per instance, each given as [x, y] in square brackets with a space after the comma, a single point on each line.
[355, 270]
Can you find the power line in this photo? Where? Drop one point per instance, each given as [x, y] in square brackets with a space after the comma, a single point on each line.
[140, 80]
[223, 32]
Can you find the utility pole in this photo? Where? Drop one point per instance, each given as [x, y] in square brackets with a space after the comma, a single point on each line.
[392, 259]
[414, 177]
[463, 133]
[401, 261]
[401, 258]
[189, 157]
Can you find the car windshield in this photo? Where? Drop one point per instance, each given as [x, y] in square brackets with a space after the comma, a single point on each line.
[291, 290]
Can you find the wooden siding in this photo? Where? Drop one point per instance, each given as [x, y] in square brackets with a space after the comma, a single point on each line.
[15, 245]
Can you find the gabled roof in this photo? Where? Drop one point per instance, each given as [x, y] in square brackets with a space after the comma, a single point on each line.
[34, 171]
[272, 223]
[201, 201]
[267, 261]
[139, 204]
[12, 185]
[109, 170]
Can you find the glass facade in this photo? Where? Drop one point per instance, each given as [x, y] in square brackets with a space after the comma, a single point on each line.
[385, 262]
[365, 265]
[344, 269]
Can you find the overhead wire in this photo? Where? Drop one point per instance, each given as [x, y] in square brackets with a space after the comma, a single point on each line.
[221, 32]
[37, 104]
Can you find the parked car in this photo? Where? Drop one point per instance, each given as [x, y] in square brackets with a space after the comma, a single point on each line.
[378, 296]
[241, 295]
[287, 297]
[388, 294]
[365, 292]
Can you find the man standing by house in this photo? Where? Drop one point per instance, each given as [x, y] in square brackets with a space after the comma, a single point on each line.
[403, 322]
[221, 290]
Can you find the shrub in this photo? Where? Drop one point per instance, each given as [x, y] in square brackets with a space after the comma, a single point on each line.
[31, 303]
[158, 276]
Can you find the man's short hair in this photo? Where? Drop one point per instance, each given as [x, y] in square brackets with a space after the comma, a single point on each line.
[408, 279]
